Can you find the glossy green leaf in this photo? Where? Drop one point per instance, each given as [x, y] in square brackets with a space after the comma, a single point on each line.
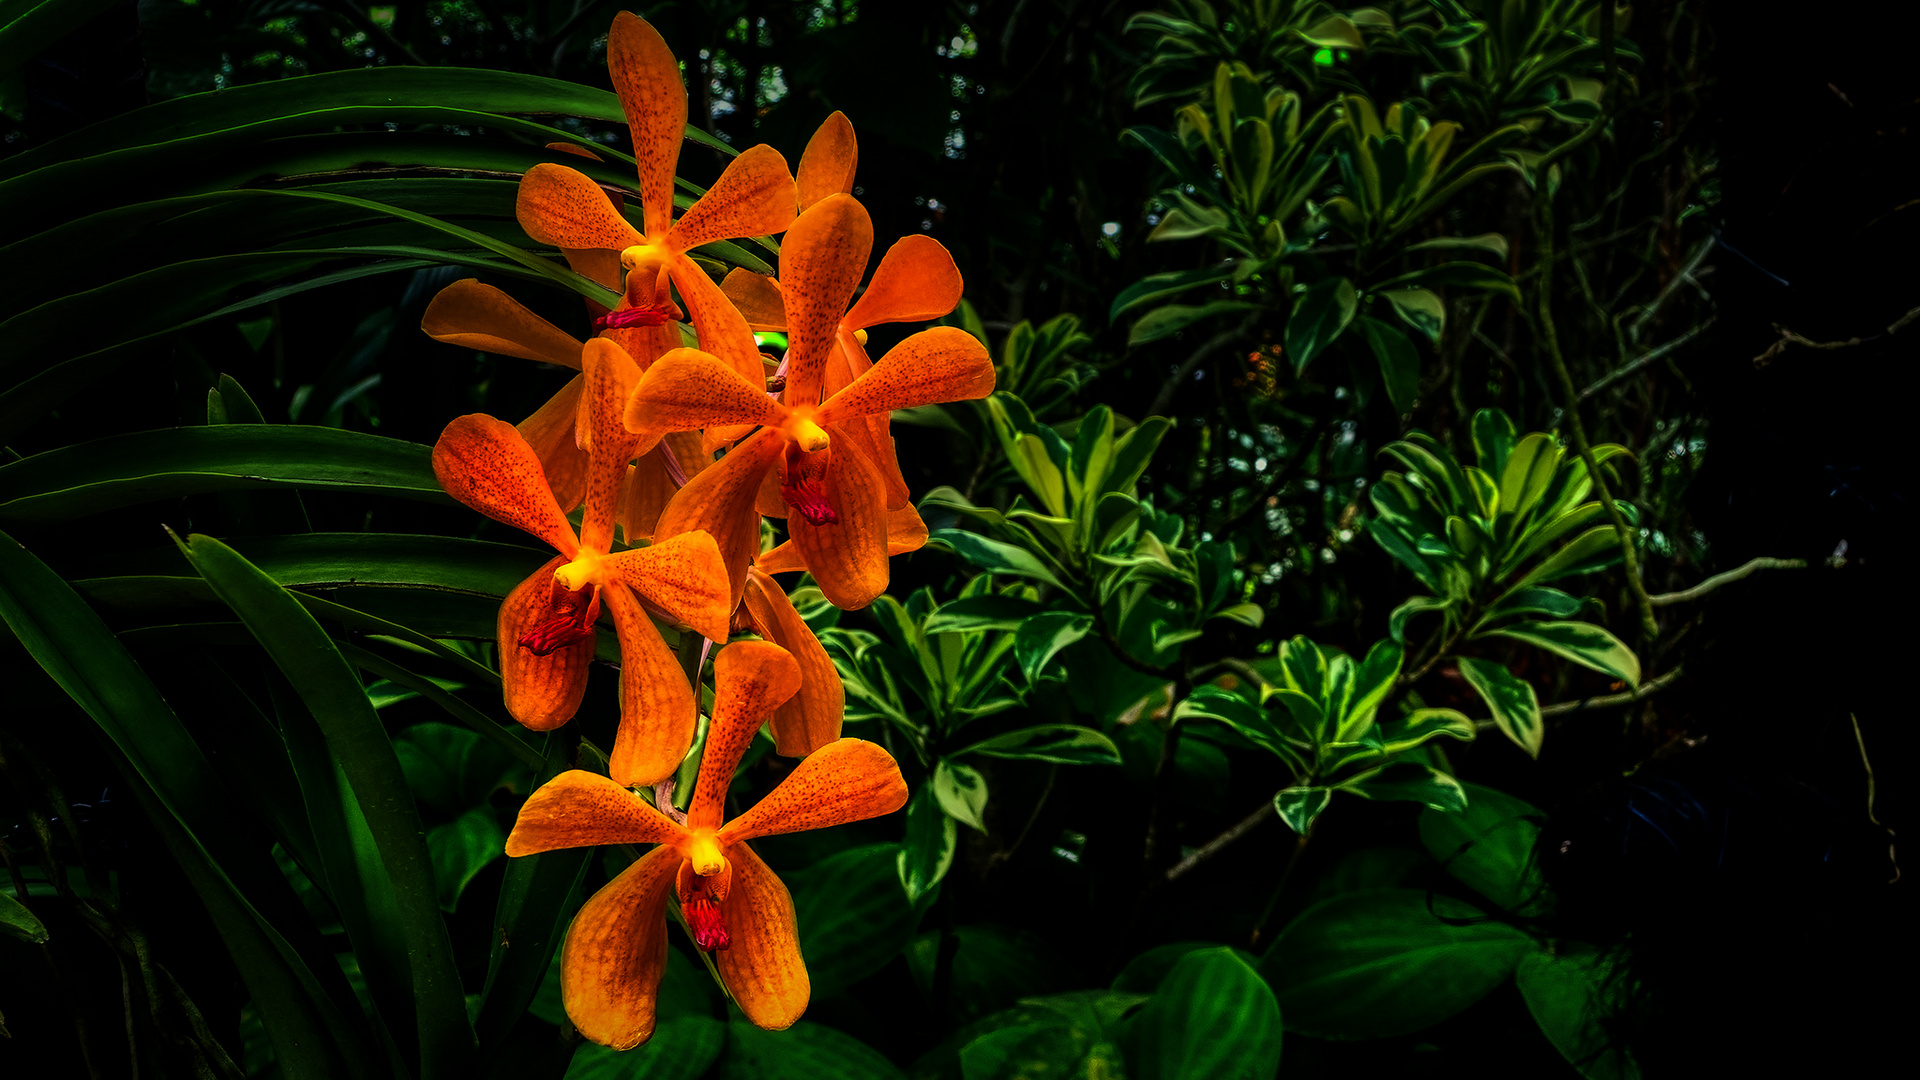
[1568, 997]
[977, 614]
[1319, 316]
[1460, 275]
[1490, 847]
[1407, 781]
[1516, 709]
[853, 914]
[1578, 556]
[1420, 309]
[20, 921]
[994, 556]
[1300, 806]
[1581, 642]
[1399, 363]
[1157, 286]
[1169, 319]
[1385, 963]
[1492, 243]
[1534, 600]
[125, 470]
[1040, 639]
[1061, 744]
[962, 793]
[992, 967]
[682, 1047]
[1212, 1016]
[1419, 605]
[927, 852]
[357, 740]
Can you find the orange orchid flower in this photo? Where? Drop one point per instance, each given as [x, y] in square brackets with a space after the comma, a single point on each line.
[616, 949]
[546, 624]
[839, 522]
[754, 196]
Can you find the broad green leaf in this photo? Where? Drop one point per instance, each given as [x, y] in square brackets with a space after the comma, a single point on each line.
[1421, 725]
[1490, 847]
[1146, 971]
[1299, 806]
[992, 967]
[124, 470]
[1157, 286]
[1493, 439]
[1516, 709]
[1406, 781]
[1568, 997]
[1060, 744]
[1212, 1016]
[1248, 614]
[1169, 319]
[1334, 32]
[978, 614]
[1041, 638]
[17, 919]
[1534, 600]
[358, 741]
[991, 555]
[927, 852]
[1131, 453]
[1463, 275]
[1575, 558]
[962, 793]
[853, 915]
[682, 1047]
[1376, 965]
[1420, 309]
[1581, 642]
[460, 849]
[1399, 363]
[805, 1051]
[1319, 316]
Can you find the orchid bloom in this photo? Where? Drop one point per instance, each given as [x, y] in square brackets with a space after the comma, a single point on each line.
[546, 624]
[754, 196]
[734, 906]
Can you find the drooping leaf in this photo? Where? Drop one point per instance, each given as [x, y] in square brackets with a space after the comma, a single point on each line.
[1212, 1016]
[1515, 707]
[1061, 744]
[1490, 847]
[1581, 642]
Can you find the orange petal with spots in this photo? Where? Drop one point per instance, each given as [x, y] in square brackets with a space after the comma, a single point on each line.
[687, 452]
[750, 680]
[827, 165]
[656, 704]
[720, 500]
[782, 558]
[616, 952]
[482, 317]
[550, 432]
[562, 206]
[758, 299]
[610, 377]
[769, 501]
[761, 965]
[905, 531]
[811, 718]
[584, 809]
[874, 432]
[649, 487]
[647, 78]
[723, 332]
[848, 558]
[915, 281]
[821, 261]
[688, 389]
[846, 780]
[752, 197]
[542, 692]
[486, 464]
[683, 576]
[645, 343]
[933, 366]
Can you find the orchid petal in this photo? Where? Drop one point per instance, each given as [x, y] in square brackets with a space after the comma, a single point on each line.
[845, 780]
[486, 464]
[723, 331]
[758, 299]
[647, 78]
[720, 500]
[550, 432]
[761, 964]
[482, 317]
[682, 576]
[564, 207]
[611, 376]
[915, 281]
[656, 705]
[821, 261]
[750, 680]
[848, 557]
[583, 809]
[812, 717]
[542, 692]
[827, 165]
[752, 197]
[688, 389]
[616, 952]
[933, 366]
[649, 487]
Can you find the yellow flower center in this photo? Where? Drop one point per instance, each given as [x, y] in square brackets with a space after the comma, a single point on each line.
[583, 571]
[704, 854]
[800, 428]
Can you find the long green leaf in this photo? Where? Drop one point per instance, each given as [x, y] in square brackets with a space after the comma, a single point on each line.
[359, 743]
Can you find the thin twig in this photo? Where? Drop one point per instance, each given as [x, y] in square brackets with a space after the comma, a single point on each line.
[1606, 701]
[1632, 366]
[1751, 566]
[1788, 337]
[1861, 741]
[1685, 275]
[1219, 843]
